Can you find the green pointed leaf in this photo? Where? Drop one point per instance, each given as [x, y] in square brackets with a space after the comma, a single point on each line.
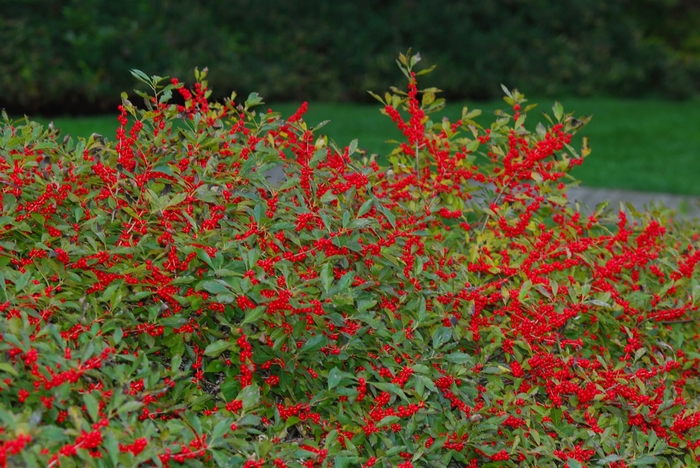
[92, 406]
[327, 276]
[250, 396]
[314, 344]
[441, 336]
[458, 358]
[214, 287]
[334, 378]
[8, 368]
[217, 347]
[558, 111]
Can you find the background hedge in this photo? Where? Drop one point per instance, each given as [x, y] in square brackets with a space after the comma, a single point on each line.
[73, 56]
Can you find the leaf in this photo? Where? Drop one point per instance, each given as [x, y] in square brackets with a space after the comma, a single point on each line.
[505, 90]
[220, 429]
[229, 388]
[253, 100]
[609, 459]
[441, 336]
[599, 303]
[112, 446]
[343, 461]
[352, 147]
[585, 147]
[327, 276]
[214, 287]
[426, 70]
[524, 289]
[458, 358]
[8, 368]
[224, 458]
[217, 347]
[250, 396]
[314, 344]
[192, 418]
[345, 281]
[377, 97]
[645, 460]
[117, 336]
[92, 406]
[388, 214]
[364, 209]
[129, 406]
[334, 378]
[391, 388]
[215, 366]
[3, 286]
[141, 76]
[558, 111]
[252, 316]
[556, 415]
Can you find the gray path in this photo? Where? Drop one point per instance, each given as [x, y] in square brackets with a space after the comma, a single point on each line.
[686, 207]
[591, 197]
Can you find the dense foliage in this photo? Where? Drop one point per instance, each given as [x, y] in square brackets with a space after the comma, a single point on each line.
[163, 303]
[296, 50]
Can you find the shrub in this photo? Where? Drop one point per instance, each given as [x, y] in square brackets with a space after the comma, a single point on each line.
[163, 303]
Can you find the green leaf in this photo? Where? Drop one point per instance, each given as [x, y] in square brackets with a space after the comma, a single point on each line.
[314, 344]
[441, 336]
[215, 366]
[92, 406]
[253, 100]
[524, 289]
[506, 90]
[141, 76]
[391, 388]
[343, 461]
[230, 388]
[364, 209]
[327, 276]
[334, 378]
[377, 97]
[220, 429]
[224, 458]
[646, 460]
[117, 336]
[3, 286]
[609, 459]
[388, 214]
[8, 368]
[458, 358]
[217, 347]
[129, 406]
[558, 111]
[250, 396]
[192, 418]
[252, 316]
[352, 147]
[556, 415]
[345, 281]
[112, 446]
[214, 287]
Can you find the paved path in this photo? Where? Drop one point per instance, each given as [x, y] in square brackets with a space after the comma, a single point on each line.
[687, 207]
[591, 197]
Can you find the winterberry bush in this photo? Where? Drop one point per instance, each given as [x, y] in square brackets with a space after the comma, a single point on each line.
[163, 303]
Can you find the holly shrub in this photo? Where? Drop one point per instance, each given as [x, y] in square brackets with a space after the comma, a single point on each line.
[165, 302]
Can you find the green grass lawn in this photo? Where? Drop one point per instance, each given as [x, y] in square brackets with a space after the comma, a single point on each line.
[645, 145]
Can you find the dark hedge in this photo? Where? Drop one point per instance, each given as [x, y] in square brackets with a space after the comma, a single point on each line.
[74, 56]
